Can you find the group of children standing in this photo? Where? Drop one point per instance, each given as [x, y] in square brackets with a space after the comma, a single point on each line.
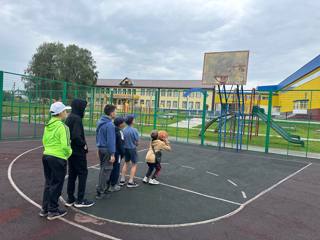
[116, 139]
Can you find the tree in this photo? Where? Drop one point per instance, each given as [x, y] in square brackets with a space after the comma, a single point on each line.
[56, 62]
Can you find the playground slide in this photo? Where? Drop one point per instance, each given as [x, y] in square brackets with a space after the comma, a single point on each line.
[213, 120]
[259, 112]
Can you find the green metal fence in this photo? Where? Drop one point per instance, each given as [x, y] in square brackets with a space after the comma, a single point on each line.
[286, 122]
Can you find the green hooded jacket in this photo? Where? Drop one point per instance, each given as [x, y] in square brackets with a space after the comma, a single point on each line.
[56, 139]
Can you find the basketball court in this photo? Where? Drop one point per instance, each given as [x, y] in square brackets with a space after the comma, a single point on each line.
[205, 193]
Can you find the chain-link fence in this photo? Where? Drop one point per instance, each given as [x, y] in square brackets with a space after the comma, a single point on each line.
[286, 122]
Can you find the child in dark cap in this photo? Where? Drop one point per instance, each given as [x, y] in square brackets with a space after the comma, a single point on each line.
[114, 177]
[131, 141]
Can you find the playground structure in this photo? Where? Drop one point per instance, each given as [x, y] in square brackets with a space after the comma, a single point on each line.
[230, 68]
[250, 116]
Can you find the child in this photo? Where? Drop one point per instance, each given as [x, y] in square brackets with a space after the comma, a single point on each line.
[106, 144]
[114, 178]
[153, 157]
[57, 149]
[131, 141]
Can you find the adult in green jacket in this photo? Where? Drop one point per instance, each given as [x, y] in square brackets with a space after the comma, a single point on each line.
[57, 149]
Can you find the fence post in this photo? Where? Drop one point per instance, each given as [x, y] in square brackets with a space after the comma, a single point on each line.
[155, 108]
[267, 141]
[204, 114]
[64, 94]
[111, 96]
[1, 102]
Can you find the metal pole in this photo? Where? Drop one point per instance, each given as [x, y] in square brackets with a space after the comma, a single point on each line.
[204, 113]
[310, 117]
[1, 102]
[64, 94]
[155, 108]
[267, 141]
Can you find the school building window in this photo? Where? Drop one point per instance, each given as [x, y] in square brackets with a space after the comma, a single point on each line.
[162, 103]
[134, 91]
[129, 91]
[191, 105]
[198, 105]
[124, 91]
[142, 102]
[153, 102]
[184, 104]
[168, 104]
[143, 92]
[163, 92]
[176, 93]
[169, 93]
[175, 104]
[301, 104]
[148, 103]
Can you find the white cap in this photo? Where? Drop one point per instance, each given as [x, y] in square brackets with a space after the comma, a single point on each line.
[57, 108]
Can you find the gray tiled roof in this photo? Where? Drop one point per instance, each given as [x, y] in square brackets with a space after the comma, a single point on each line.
[144, 83]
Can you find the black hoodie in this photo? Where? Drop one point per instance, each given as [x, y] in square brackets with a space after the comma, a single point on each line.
[74, 122]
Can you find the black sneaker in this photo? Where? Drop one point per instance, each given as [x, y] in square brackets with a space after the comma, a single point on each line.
[132, 185]
[43, 213]
[69, 203]
[122, 183]
[58, 214]
[84, 203]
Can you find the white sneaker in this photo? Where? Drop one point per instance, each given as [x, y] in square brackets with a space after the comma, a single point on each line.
[145, 180]
[153, 182]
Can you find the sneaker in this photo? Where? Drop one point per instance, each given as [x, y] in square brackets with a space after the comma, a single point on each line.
[114, 188]
[132, 185]
[43, 213]
[153, 182]
[84, 203]
[122, 183]
[99, 195]
[145, 180]
[69, 203]
[58, 214]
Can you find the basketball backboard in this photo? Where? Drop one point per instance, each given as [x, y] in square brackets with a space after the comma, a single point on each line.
[225, 68]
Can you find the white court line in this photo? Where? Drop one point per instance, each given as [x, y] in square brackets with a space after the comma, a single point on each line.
[275, 185]
[39, 206]
[214, 174]
[196, 193]
[233, 183]
[184, 166]
[244, 195]
[242, 206]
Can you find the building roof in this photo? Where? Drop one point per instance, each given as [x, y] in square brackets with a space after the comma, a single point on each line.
[309, 67]
[144, 83]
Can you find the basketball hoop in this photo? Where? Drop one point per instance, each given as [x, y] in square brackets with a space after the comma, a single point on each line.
[221, 80]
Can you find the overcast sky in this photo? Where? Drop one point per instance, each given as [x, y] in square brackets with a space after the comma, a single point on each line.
[165, 39]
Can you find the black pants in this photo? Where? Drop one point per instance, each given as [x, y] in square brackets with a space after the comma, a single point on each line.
[153, 166]
[77, 169]
[54, 173]
[115, 173]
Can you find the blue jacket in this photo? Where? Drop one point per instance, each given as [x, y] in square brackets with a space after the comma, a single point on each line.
[106, 135]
